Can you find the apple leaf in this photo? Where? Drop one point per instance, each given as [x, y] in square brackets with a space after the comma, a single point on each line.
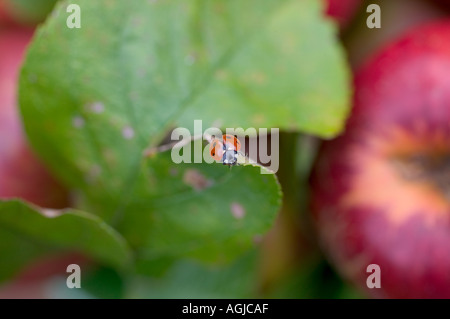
[208, 212]
[28, 232]
[93, 99]
[187, 279]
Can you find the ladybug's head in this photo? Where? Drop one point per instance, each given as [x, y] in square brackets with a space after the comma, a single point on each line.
[230, 157]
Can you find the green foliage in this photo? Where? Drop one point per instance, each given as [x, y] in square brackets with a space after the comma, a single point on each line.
[28, 232]
[198, 210]
[94, 99]
[189, 279]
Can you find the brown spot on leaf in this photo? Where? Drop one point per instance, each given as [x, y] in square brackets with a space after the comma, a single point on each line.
[258, 239]
[196, 180]
[78, 122]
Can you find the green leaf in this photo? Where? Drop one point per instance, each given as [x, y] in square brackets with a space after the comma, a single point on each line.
[315, 279]
[139, 68]
[93, 99]
[27, 232]
[188, 279]
[208, 212]
[104, 283]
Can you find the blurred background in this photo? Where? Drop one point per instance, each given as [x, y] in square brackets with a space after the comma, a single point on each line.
[288, 263]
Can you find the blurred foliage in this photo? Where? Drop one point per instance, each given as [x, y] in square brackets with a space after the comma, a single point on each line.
[94, 99]
[190, 279]
[152, 201]
[27, 232]
[316, 280]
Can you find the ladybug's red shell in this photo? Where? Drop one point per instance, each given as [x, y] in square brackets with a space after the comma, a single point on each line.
[225, 150]
[231, 141]
[216, 149]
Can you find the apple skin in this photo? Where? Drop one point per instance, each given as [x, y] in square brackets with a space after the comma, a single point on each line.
[5, 16]
[342, 10]
[22, 175]
[443, 4]
[34, 282]
[397, 16]
[381, 191]
[11, 17]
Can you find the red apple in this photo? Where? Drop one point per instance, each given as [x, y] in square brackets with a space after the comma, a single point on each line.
[342, 10]
[444, 4]
[21, 173]
[33, 281]
[5, 16]
[397, 17]
[381, 191]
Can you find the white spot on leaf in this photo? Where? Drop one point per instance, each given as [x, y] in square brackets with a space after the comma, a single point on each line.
[237, 210]
[50, 213]
[128, 132]
[96, 107]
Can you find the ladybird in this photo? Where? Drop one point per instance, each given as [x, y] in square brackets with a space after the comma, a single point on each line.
[216, 148]
[226, 150]
[231, 147]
